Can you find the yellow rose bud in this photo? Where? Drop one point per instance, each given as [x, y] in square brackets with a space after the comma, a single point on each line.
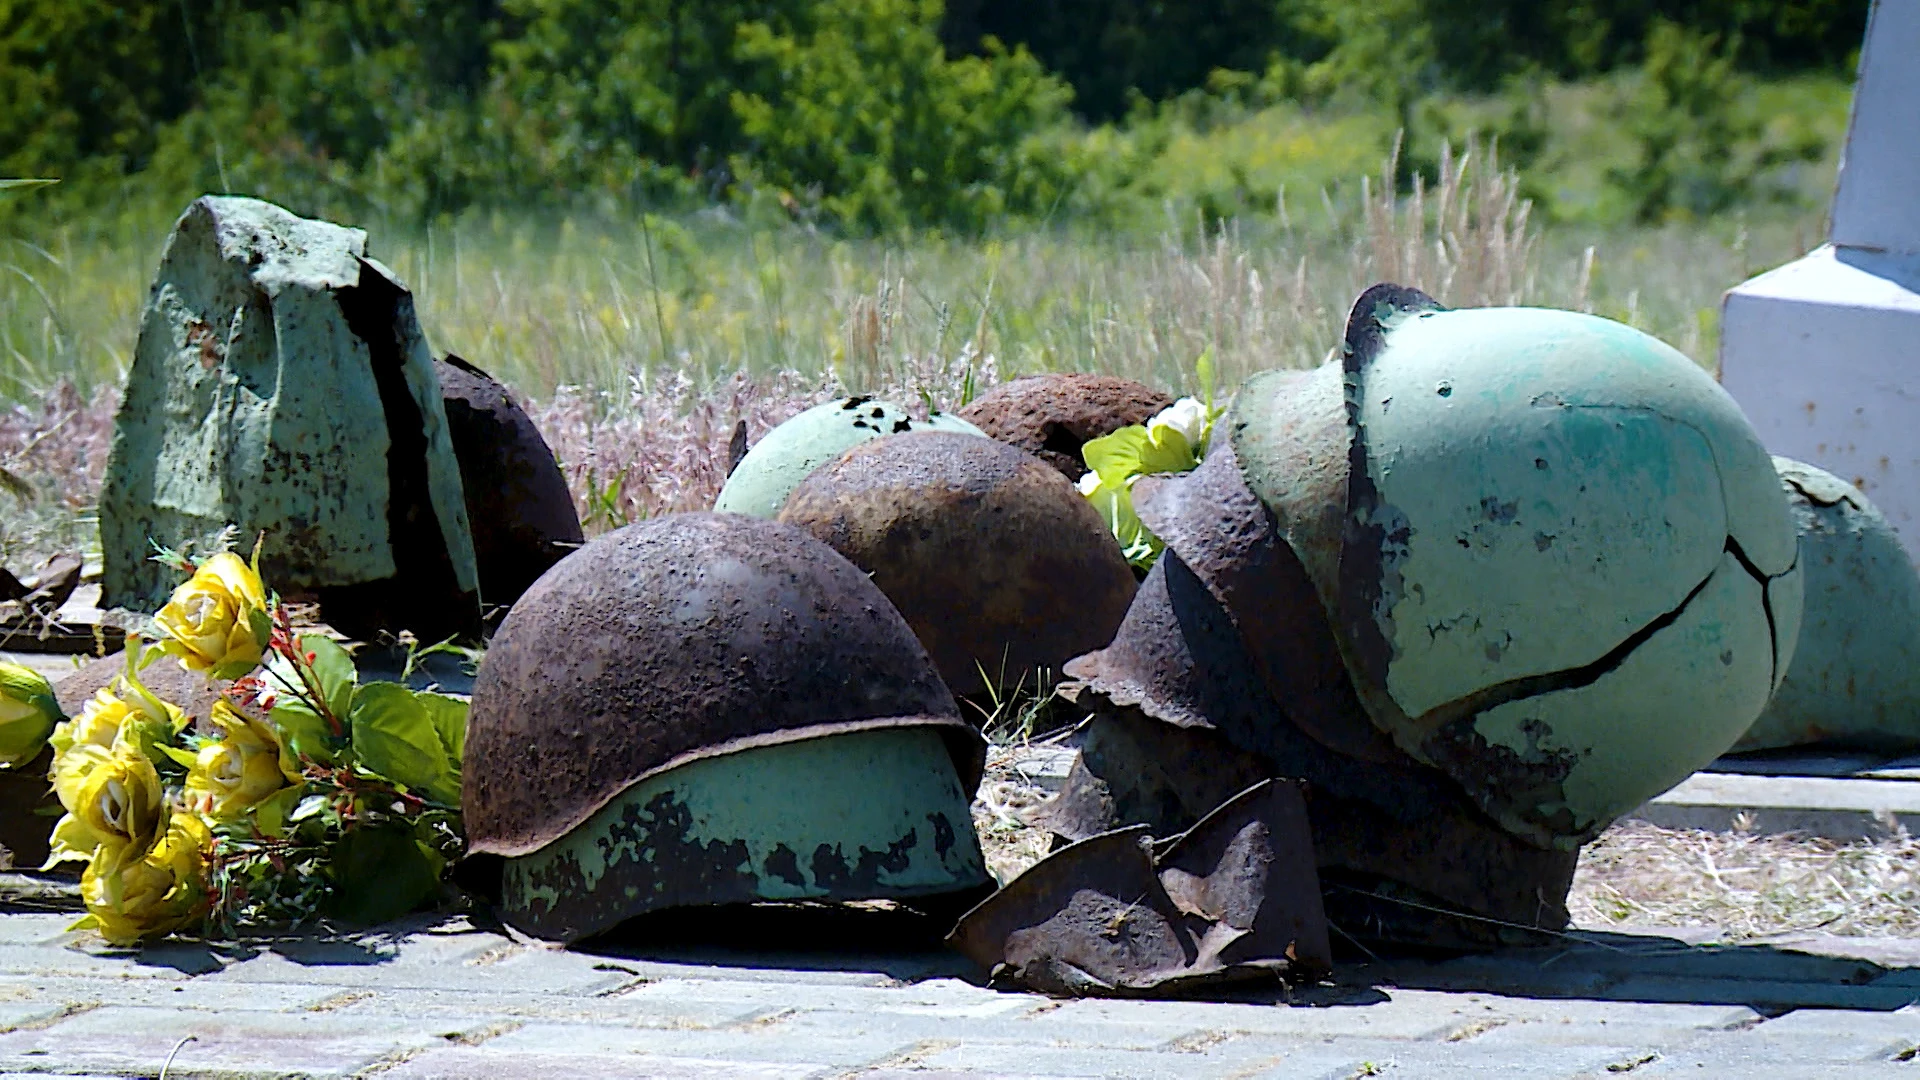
[110, 720]
[232, 776]
[28, 714]
[217, 621]
[133, 900]
[114, 804]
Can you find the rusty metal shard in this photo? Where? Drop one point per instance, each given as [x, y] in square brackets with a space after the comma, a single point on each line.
[1228, 538]
[1003, 570]
[523, 515]
[1052, 416]
[1233, 898]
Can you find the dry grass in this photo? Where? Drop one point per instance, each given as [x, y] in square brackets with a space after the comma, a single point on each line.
[1745, 885]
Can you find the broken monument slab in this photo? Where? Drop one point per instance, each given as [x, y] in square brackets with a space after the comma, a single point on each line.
[282, 387]
[1820, 352]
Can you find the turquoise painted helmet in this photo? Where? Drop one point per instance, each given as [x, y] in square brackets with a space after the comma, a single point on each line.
[760, 483]
[1855, 677]
[1557, 560]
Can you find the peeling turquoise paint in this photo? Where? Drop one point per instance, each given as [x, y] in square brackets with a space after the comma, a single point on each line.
[251, 403]
[1855, 676]
[860, 815]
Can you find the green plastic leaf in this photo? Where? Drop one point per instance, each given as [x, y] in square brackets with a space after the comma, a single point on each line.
[308, 807]
[449, 716]
[335, 670]
[1132, 451]
[178, 755]
[11, 184]
[84, 922]
[304, 731]
[273, 814]
[394, 737]
[381, 874]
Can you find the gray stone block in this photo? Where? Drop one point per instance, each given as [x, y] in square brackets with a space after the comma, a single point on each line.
[139, 1041]
[752, 1041]
[164, 994]
[488, 1063]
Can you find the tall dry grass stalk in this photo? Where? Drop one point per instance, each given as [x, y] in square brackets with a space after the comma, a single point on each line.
[1467, 241]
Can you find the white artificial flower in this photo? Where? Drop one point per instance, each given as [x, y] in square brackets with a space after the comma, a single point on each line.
[1089, 484]
[1186, 416]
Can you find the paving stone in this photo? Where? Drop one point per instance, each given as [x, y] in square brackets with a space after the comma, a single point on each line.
[852, 970]
[156, 993]
[36, 928]
[75, 963]
[886, 1025]
[764, 1040]
[487, 1063]
[1396, 1015]
[1827, 1035]
[460, 961]
[15, 1014]
[1430, 1061]
[937, 997]
[618, 1010]
[1002, 1059]
[139, 1041]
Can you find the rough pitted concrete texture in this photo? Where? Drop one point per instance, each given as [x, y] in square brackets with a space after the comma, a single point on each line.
[1053, 415]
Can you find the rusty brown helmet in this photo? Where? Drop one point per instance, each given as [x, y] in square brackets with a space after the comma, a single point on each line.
[521, 512]
[653, 685]
[1051, 416]
[996, 561]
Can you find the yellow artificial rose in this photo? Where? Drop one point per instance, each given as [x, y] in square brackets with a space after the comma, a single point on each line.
[233, 775]
[217, 622]
[114, 805]
[132, 900]
[28, 714]
[123, 712]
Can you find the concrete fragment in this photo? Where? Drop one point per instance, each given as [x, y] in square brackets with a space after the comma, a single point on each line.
[282, 386]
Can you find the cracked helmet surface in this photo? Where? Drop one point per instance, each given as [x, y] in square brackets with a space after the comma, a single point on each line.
[774, 466]
[1052, 416]
[1556, 558]
[1853, 681]
[1000, 566]
[711, 709]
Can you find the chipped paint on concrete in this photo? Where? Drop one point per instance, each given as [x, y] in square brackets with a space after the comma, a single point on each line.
[1855, 676]
[769, 472]
[862, 815]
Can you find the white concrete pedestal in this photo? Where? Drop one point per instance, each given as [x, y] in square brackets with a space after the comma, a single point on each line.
[1824, 353]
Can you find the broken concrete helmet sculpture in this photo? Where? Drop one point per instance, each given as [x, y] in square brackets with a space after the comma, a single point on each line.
[1855, 676]
[1004, 572]
[1052, 416]
[281, 385]
[1557, 561]
[712, 709]
[774, 466]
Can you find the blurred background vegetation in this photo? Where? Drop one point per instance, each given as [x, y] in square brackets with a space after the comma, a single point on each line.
[589, 191]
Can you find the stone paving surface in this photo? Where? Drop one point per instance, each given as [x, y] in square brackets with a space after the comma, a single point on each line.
[446, 998]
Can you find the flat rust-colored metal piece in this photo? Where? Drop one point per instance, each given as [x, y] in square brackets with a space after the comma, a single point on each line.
[1228, 538]
[521, 511]
[1233, 898]
[1052, 416]
[676, 639]
[1000, 566]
